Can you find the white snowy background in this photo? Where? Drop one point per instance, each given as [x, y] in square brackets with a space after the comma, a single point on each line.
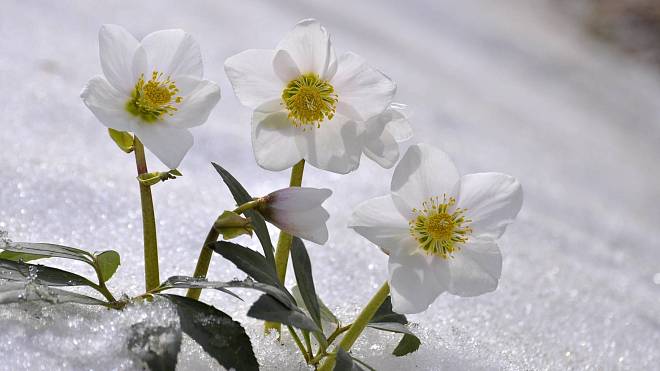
[511, 86]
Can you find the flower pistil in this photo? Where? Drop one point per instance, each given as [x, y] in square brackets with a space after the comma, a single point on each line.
[438, 228]
[309, 100]
[153, 98]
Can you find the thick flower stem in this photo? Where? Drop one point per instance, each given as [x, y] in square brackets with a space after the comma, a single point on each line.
[359, 325]
[285, 239]
[205, 255]
[151, 275]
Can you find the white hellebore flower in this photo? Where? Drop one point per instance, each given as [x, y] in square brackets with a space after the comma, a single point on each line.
[308, 104]
[438, 228]
[298, 211]
[153, 88]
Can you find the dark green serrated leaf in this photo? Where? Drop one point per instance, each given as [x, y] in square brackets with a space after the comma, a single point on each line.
[407, 345]
[24, 272]
[386, 320]
[185, 282]
[303, 270]
[122, 139]
[344, 362]
[158, 346]
[16, 256]
[391, 327]
[219, 335]
[385, 314]
[50, 250]
[19, 292]
[268, 308]
[241, 196]
[247, 260]
[108, 262]
[326, 313]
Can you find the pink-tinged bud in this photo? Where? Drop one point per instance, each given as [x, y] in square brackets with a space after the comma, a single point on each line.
[298, 211]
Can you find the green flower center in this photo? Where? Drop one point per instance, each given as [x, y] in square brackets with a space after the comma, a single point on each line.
[437, 230]
[309, 100]
[152, 99]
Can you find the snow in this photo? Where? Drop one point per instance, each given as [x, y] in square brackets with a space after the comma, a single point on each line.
[510, 86]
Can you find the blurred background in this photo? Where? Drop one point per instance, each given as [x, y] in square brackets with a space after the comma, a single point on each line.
[564, 95]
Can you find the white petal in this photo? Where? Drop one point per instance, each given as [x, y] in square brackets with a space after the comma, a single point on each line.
[169, 144]
[174, 53]
[198, 101]
[298, 198]
[414, 284]
[284, 66]
[379, 144]
[475, 269]
[318, 236]
[492, 201]
[379, 221]
[423, 172]
[367, 91]
[308, 224]
[253, 78]
[108, 104]
[117, 47]
[309, 46]
[275, 141]
[334, 146]
[399, 125]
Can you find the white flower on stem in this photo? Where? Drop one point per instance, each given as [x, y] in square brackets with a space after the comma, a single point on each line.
[308, 104]
[298, 211]
[152, 88]
[439, 229]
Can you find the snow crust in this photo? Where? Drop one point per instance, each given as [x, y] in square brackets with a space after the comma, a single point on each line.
[508, 86]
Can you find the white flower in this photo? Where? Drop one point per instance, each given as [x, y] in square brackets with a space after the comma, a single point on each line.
[439, 229]
[308, 103]
[298, 211]
[153, 88]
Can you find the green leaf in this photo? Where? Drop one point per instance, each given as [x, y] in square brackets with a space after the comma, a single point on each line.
[15, 256]
[20, 292]
[303, 271]
[407, 345]
[386, 314]
[123, 140]
[185, 282]
[268, 308]
[232, 225]
[219, 335]
[247, 260]
[241, 196]
[326, 313]
[108, 262]
[50, 250]
[24, 272]
[386, 320]
[158, 346]
[344, 362]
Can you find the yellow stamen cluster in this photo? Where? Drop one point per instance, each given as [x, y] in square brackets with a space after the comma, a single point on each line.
[439, 228]
[309, 100]
[153, 98]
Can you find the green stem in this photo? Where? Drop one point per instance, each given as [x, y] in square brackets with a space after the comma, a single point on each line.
[205, 255]
[296, 339]
[151, 275]
[308, 343]
[285, 239]
[359, 325]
